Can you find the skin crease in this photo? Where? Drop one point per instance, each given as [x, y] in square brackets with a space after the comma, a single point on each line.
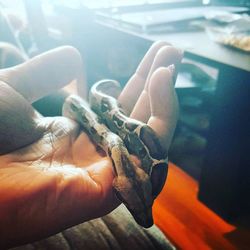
[51, 174]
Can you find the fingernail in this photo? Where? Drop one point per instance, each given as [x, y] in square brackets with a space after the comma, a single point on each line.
[171, 68]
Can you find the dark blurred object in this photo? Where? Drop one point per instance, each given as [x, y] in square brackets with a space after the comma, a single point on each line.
[187, 151]
[195, 86]
[225, 177]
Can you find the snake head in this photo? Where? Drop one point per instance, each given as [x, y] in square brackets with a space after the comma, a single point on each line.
[107, 87]
[136, 194]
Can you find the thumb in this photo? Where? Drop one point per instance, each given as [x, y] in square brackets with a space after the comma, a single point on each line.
[18, 124]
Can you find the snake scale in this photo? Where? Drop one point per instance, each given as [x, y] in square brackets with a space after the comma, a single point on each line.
[119, 136]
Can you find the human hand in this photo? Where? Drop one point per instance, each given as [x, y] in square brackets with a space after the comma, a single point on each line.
[51, 175]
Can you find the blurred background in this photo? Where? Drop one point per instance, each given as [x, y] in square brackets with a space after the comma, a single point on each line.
[211, 144]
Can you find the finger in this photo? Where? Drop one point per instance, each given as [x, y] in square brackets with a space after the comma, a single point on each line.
[164, 105]
[166, 56]
[136, 83]
[46, 73]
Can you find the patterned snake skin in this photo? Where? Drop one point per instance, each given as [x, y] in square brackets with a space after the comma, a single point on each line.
[119, 136]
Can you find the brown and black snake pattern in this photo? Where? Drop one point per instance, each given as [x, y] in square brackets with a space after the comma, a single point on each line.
[119, 136]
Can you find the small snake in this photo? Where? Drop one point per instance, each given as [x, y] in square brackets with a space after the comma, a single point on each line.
[119, 136]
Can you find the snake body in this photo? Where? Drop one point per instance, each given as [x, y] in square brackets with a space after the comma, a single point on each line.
[138, 137]
[119, 136]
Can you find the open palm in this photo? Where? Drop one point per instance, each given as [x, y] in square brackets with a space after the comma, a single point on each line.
[51, 175]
